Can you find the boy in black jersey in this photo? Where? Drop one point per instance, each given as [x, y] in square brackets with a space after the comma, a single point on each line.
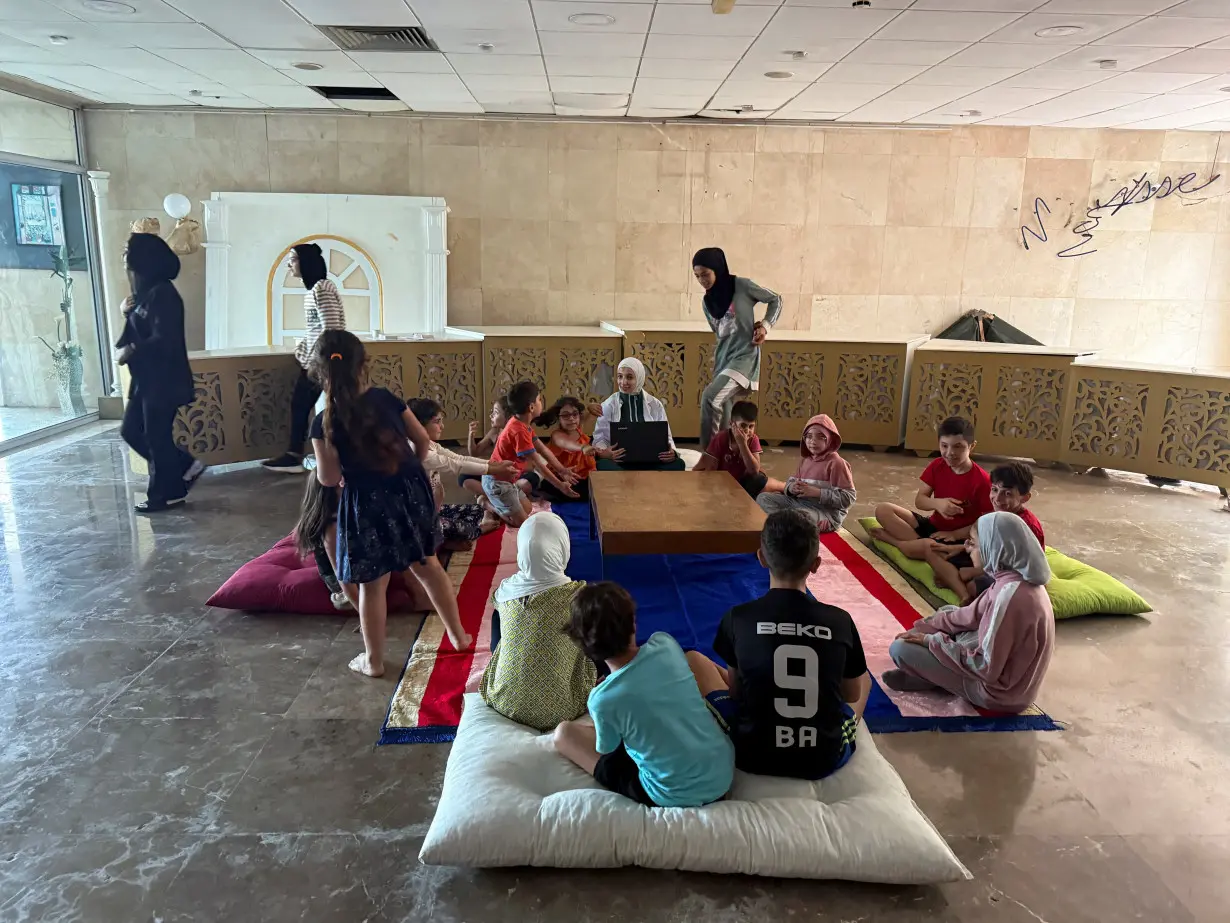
[797, 681]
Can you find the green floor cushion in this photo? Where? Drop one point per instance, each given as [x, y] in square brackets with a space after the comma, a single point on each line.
[1075, 588]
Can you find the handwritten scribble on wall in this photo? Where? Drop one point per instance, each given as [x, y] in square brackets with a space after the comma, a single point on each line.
[1140, 191]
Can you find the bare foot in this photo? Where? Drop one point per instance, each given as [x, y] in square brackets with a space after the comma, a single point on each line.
[878, 534]
[464, 643]
[490, 523]
[363, 664]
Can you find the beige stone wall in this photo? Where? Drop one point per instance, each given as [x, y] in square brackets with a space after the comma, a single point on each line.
[36, 129]
[861, 231]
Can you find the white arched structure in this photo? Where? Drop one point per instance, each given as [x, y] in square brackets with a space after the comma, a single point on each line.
[350, 269]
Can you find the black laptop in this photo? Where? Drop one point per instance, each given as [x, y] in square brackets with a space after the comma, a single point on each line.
[642, 442]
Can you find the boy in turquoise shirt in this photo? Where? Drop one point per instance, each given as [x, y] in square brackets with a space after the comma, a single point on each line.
[653, 738]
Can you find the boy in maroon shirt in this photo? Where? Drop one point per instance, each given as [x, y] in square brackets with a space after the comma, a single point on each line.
[736, 450]
[955, 490]
[1012, 485]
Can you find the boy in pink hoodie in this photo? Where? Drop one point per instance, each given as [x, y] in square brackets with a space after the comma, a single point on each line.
[823, 487]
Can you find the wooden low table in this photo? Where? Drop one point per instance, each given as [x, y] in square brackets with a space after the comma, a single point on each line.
[673, 512]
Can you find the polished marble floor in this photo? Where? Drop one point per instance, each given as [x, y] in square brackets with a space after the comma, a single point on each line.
[160, 760]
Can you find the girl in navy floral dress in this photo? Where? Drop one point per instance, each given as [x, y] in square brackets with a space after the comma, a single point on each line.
[386, 517]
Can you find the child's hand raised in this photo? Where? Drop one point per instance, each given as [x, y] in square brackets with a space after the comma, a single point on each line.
[948, 507]
[502, 469]
[473, 429]
[594, 409]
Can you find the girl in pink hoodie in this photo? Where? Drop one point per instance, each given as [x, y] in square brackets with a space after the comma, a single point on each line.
[823, 487]
[994, 651]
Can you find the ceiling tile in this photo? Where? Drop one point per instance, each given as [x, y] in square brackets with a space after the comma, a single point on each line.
[871, 73]
[875, 51]
[80, 35]
[152, 99]
[490, 84]
[451, 106]
[207, 60]
[506, 100]
[434, 87]
[256, 23]
[669, 102]
[1163, 105]
[288, 97]
[1077, 104]
[660, 86]
[714, 48]
[789, 113]
[755, 68]
[737, 95]
[355, 12]
[407, 62]
[781, 48]
[1193, 61]
[331, 61]
[494, 63]
[466, 41]
[576, 66]
[592, 84]
[144, 11]
[835, 97]
[552, 16]
[1142, 82]
[32, 11]
[929, 95]
[331, 77]
[1137, 7]
[1045, 79]
[996, 100]
[674, 19]
[1210, 8]
[247, 80]
[836, 4]
[456, 15]
[1026, 28]
[655, 112]
[1128, 57]
[1170, 32]
[15, 52]
[926, 25]
[885, 111]
[1221, 43]
[943, 75]
[989, 6]
[801, 24]
[162, 35]
[1211, 84]
[1002, 54]
[607, 44]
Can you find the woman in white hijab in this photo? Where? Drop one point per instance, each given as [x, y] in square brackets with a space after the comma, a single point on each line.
[994, 651]
[631, 404]
[536, 675]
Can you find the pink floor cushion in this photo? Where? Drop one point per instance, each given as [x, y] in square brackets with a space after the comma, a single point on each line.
[281, 581]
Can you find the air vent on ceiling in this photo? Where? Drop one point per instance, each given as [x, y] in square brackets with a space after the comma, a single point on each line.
[378, 38]
[362, 99]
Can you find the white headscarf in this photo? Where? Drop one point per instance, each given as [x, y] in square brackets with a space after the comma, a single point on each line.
[543, 549]
[1007, 544]
[638, 369]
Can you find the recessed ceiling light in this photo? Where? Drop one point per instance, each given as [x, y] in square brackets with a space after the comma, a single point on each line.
[797, 55]
[591, 19]
[112, 7]
[1223, 90]
[1056, 31]
[966, 113]
[58, 39]
[486, 46]
[779, 75]
[307, 66]
[1106, 64]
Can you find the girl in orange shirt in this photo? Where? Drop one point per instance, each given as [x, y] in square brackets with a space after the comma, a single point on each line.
[569, 443]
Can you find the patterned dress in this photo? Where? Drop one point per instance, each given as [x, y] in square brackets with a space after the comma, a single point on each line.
[537, 676]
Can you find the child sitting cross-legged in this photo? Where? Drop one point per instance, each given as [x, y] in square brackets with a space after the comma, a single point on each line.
[653, 738]
[508, 493]
[536, 675]
[569, 444]
[994, 652]
[1011, 487]
[736, 450]
[822, 488]
[955, 490]
[797, 681]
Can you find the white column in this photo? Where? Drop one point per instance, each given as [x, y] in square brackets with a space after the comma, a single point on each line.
[217, 259]
[436, 287]
[100, 181]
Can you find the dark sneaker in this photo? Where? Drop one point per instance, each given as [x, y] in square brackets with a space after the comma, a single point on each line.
[157, 506]
[288, 463]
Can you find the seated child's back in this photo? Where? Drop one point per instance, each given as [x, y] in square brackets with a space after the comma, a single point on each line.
[792, 661]
[652, 707]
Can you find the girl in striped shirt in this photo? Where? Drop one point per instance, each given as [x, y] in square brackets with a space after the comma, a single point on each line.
[322, 310]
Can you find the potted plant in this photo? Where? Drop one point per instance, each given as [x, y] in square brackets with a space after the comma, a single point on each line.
[66, 354]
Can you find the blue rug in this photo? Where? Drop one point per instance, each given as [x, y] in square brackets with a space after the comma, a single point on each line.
[687, 595]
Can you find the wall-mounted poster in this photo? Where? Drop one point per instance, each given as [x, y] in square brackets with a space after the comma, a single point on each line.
[38, 215]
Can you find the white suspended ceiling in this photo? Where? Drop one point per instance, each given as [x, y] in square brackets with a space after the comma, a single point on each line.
[1079, 63]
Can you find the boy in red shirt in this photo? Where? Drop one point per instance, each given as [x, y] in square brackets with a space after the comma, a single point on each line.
[736, 450]
[955, 490]
[508, 495]
[1012, 485]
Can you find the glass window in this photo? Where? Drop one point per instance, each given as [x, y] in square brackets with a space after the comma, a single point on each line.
[33, 128]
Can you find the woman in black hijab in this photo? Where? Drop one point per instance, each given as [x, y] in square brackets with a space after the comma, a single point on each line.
[730, 309]
[152, 346]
